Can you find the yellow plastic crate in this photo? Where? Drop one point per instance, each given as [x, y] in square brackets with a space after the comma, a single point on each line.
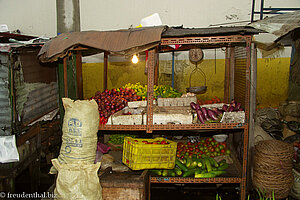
[137, 155]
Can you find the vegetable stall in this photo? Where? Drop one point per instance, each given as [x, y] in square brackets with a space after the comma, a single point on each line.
[154, 108]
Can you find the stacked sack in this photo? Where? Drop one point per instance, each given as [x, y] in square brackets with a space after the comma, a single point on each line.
[77, 174]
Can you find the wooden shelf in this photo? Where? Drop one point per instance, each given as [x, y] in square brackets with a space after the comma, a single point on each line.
[174, 126]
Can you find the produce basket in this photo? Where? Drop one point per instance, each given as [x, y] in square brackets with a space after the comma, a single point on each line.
[141, 154]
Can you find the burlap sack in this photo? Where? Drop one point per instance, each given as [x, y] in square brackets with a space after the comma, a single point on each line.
[77, 181]
[80, 127]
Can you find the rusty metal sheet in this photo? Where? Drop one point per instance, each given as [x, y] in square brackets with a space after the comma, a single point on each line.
[40, 101]
[120, 42]
[35, 85]
[185, 32]
[33, 71]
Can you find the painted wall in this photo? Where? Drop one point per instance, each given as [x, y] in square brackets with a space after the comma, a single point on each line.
[31, 17]
[272, 76]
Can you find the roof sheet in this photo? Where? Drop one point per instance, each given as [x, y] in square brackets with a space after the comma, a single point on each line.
[128, 41]
[120, 42]
[282, 26]
[184, 32]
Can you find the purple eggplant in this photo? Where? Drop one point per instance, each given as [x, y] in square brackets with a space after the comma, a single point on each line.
[212, 114]
[217, 111]
[200, 116]
[198, 107]
[193, 106]
[230, 109]
[237, 106]
[225, 107]
[204, 111]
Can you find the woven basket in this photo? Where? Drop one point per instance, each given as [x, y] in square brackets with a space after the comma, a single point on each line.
[272, 170]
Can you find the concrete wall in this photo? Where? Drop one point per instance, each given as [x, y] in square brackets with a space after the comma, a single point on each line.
[31, 17]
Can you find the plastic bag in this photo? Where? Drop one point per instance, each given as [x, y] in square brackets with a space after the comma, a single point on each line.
[77, 181]
[8, 149]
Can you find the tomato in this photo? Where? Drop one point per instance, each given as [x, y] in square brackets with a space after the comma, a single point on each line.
[197, 150]
[212, 149]
[201, 152]
[136, 141]
[178, 155]
[182, 157]
[163, 142]
[228, 152]
[217, 149]
[189, 143]
[191, 149]
[221, 147]
[222, 150]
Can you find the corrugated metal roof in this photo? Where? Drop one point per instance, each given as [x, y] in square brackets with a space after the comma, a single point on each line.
[282, 26]
[5, 107]
[5, 36]
[127, 42]
[220, 31]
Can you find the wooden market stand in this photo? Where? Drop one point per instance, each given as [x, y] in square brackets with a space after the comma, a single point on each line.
[239, 84]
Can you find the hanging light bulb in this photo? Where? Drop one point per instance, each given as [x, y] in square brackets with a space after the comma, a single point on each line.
[135, 59]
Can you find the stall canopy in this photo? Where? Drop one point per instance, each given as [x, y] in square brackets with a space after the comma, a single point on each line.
[120, 42]
[126, 42]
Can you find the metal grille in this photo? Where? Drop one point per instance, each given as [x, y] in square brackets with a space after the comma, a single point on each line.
[5, 108]
[240, 75]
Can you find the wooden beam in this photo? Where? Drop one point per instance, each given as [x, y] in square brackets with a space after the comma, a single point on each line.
[105, 70]
[227, 75]
[65, 77]
[231, 73]
[156, 68]
[79, 75]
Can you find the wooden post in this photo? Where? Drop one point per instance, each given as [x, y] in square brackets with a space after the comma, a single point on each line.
[227, 75]
[156, 68]
[65, 77]
[231, 76]
[105, 70]
[79, 75]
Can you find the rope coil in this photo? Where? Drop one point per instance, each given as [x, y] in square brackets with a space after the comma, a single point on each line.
[272, 170]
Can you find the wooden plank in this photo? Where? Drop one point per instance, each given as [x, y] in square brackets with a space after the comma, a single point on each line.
[79, 75]
[65, 77]
[105, 70]
[32, 132]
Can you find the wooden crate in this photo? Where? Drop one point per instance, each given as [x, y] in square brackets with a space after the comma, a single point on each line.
[171, 115]
[179, 101]
[124, 185]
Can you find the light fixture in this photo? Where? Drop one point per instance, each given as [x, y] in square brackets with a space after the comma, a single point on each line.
[134, 59]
